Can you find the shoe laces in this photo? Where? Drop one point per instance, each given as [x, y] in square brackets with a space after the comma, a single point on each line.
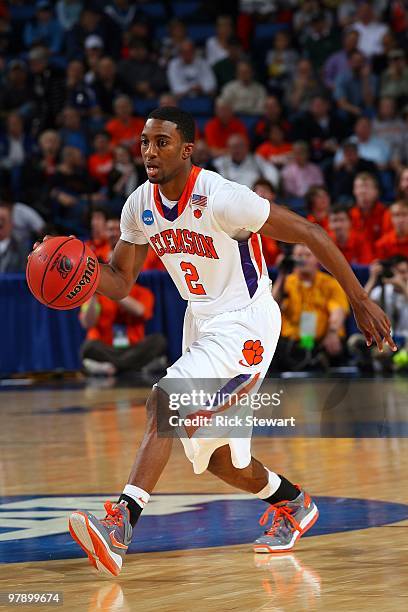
[114, 517]
[281, 512]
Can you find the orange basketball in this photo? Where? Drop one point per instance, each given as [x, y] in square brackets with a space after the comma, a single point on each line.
[62, 272]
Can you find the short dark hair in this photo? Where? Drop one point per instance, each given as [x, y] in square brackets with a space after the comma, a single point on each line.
[265, 183]
[99, 208]
[339, 208]
[184, 121]
[311, 194]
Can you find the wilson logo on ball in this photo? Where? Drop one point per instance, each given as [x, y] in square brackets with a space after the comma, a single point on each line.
[86, 278]
[64, 266]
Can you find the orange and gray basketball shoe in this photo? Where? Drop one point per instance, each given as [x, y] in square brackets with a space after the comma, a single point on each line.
[291, 519]
[106, 540]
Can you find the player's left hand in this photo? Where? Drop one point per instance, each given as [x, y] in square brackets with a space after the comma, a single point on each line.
[373, 323]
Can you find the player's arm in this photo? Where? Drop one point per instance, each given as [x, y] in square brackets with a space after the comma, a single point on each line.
[286, 226]
[118, 276]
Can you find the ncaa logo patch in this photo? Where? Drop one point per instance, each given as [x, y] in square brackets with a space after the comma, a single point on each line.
[147, 217]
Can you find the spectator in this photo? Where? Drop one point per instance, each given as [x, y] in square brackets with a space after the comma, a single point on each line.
[388, 127]
[244, 94]
[190, 75]
[303, 17]
[125, 128]
[318, 206]
[72, 133]
[350, 243]
[270, 248]
[371, 32]
[121, 12]
[13, 254]
[98, 242]
[68, 13]
[338, 63]
[321, 40]
[171, 44]
[280, 61]
[225, 70]
[15, 143]
[116, 343]
[44, 30]
[242, 166]
[314, 308]
[218, 130]
[16, 93]
[47, 86]
[272, 114]
[369, 147]
[27, 224]
[395, 242]
[216, 47]
[71, 193]
[302, 87]
[402, 185]
[369, 217]
[300, 174]
[113, 231]
[167, 99]
[276, 149]
[92, 22]
[355, 89]
[15, 147]
[100, 163]
[116, 340]
[38, 170]
[123, 178]
[141, 74]
[202, 156]
[345, 170]
[108, 85]
[388, 286]
[321, 128]
[394, 80]
[78, 94]
[93, 52]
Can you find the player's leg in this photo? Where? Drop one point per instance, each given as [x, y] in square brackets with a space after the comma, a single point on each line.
[294, 512]
[106, 541]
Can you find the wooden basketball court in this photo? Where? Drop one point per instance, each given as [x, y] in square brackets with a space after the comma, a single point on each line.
[74, 444]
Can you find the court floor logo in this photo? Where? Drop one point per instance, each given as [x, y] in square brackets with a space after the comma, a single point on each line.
[38, 525]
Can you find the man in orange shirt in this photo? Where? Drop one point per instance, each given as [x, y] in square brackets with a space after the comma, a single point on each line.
[218, 129]
[395, 242]
[124, 128]
[354, 249]
[276, 149]
[368, 216]
[115, 340]
[99, 242]
[101, 161]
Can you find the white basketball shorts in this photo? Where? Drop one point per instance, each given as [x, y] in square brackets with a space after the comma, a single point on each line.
[232, 350]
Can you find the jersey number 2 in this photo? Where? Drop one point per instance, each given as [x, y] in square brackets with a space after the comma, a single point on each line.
[191, 277]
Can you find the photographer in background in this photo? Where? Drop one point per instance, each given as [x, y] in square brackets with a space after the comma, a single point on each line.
[388, 286]
[314, 308]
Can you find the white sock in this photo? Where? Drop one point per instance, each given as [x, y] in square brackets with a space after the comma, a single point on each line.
[271, 486]
[138, 495]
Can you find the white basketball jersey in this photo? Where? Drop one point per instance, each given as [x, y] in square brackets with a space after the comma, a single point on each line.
[206, 240]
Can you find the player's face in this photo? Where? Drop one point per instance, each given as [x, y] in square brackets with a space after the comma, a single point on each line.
[163, 151]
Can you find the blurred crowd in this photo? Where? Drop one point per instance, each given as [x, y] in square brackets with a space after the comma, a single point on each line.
[306, 102]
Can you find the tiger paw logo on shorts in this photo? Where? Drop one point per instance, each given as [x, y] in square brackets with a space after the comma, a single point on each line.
[252, 352]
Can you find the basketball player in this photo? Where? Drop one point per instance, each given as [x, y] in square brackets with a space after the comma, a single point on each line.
[206, 231]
